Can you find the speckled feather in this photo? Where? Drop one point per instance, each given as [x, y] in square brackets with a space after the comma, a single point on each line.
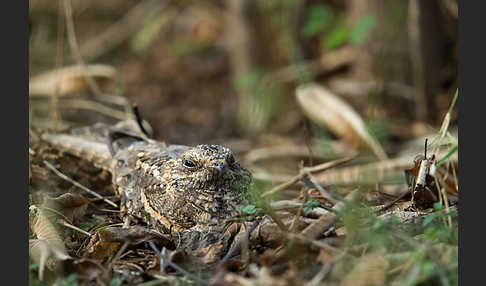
[170, 187]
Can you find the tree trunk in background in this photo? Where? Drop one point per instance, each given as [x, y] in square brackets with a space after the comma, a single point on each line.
[386, 49]
[239, 46]
[428, 46]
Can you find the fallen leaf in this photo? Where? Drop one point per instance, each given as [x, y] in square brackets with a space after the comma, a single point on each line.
[73, 206]
[88, 269]
[107, 240]
[327, 109]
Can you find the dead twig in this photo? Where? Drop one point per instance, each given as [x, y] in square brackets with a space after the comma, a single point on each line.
[270, 212]
[327, 220]
[175, 266]
[315, 184]
[238, 244]
[294, 225]
[291, 205]
[66, 224]
[302, 174]
[62, 176]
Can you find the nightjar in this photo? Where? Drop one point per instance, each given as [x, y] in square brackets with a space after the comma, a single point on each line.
[188, 192]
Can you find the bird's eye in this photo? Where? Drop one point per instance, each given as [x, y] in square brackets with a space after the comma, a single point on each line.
[231, 159]
[189, 163]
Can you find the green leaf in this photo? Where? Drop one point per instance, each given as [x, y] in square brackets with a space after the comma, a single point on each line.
[450, 153]
[249, 81]
[71, 280]
[438, 206]
[313, 203]
[117, 281]
[452, 214]
[362, 30]
[429, 218]
[319, 18]
[428, 268]
[148, 32]
[379, 223]
[249, 209]
[337, 37]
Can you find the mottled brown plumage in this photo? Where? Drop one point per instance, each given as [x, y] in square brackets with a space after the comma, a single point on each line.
[189, 191]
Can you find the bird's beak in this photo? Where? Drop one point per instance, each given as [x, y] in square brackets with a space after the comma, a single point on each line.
[219, 166]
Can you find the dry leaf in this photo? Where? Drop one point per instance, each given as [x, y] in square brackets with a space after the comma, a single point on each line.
[72, 79]
[88, 269]
[107, 240]
[325, 108]
[48, 249]
[73, 206]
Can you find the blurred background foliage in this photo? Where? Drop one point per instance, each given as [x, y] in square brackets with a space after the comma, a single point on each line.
[207, 70]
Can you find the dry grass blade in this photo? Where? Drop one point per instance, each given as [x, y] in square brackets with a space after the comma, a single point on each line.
[369, 173]
[71, 79]
[302, 174]
[175, 266]
[445, 124]
[94, 106]
[327, 109]
[48, 248]
[238, 244]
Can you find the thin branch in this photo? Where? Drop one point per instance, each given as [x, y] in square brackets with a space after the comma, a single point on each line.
[294, 225]
[175, 266]
[66, 224]
[237, 246]
[62, 176]
[302, 174]
[315, 184]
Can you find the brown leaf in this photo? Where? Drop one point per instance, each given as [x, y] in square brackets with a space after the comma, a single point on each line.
[88, 269]
[325, 108]
[73, 206]
[107, 240]
[100, 248]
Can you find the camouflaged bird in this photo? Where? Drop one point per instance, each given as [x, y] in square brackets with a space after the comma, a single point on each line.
[188, 192]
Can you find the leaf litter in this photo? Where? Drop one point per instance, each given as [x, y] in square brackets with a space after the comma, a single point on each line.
[325, 224]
